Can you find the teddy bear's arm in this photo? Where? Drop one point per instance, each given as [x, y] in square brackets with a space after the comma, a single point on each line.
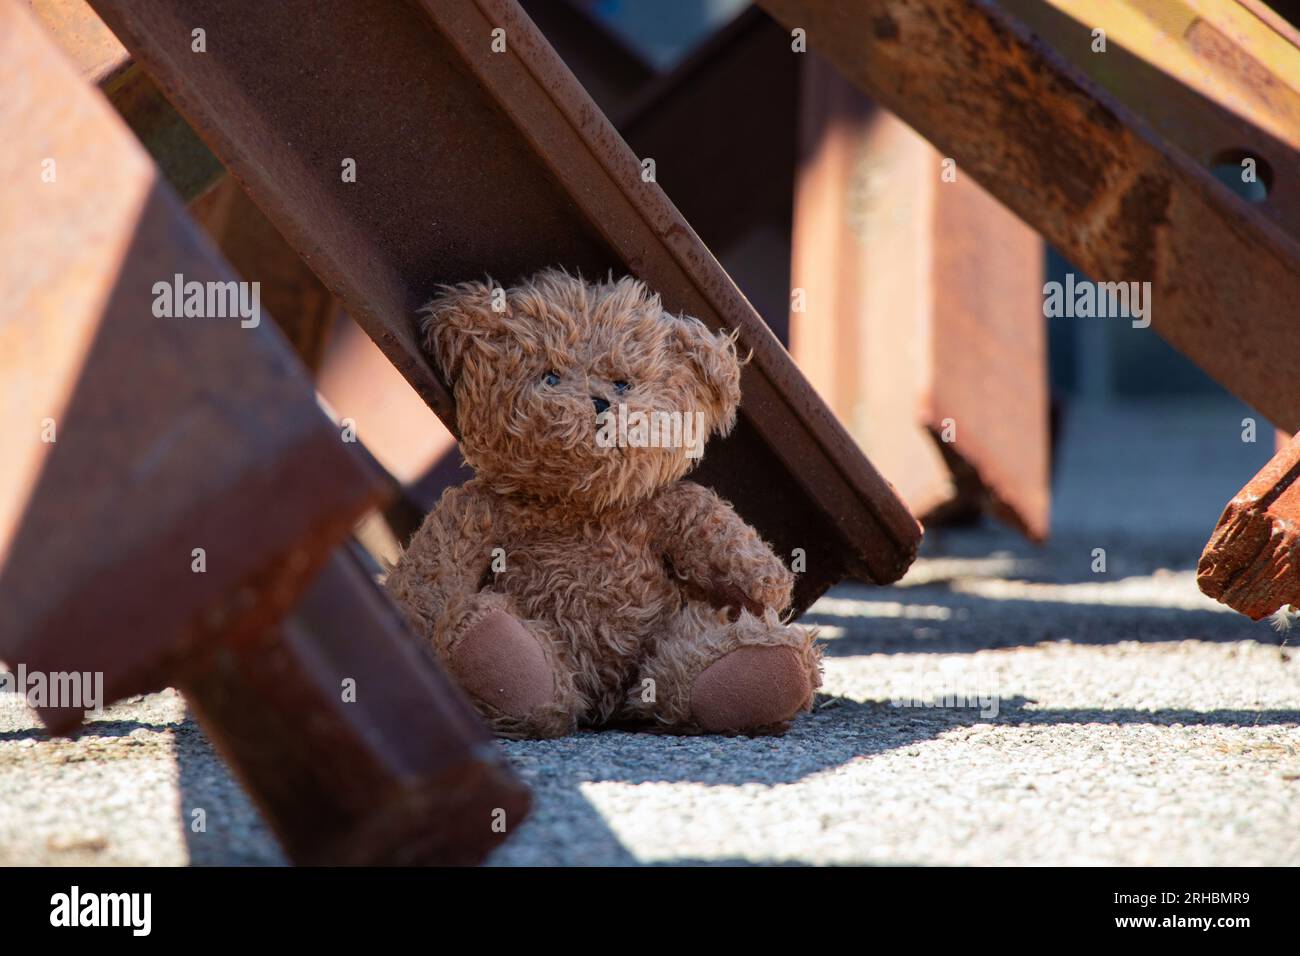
[438, 578]
[716, 555]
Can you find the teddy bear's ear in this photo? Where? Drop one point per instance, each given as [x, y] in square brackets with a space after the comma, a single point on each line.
[713, 358]
[456, 319]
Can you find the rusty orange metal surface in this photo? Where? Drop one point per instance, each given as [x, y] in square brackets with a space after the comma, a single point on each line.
[1252, 561]
[919, 312]
[171, 489]
[130, 439]
[303, 308]
[986, 389]
[1084, 170]
[893, 359]
[91, 45]
[473, 161]
[1209, 77]
[1264, 12]
[405, 436]
[860, 268]
[350, 738]
[185, 162]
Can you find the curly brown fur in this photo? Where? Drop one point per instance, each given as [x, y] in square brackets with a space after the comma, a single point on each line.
[632, 579]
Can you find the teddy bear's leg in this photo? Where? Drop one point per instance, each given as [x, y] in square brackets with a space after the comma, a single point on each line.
[518, 675]
[709, 674]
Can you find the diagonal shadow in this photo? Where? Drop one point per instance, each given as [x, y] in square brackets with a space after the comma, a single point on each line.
[163, 434]
[566, 827]
[971, 623]
[93, 728]
[840, 730]
[949, 616]
[233, 832]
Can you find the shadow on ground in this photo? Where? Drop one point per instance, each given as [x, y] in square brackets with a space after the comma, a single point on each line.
[840, 730]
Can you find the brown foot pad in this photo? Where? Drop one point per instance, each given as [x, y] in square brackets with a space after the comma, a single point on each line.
[750, 688]
[500, 663]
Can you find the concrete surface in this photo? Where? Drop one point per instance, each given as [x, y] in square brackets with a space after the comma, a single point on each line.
[1115, 717]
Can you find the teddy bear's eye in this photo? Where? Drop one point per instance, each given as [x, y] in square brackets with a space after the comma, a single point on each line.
[551, 378]
[621, 387]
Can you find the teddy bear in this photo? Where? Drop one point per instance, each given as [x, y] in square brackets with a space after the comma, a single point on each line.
[578, 579]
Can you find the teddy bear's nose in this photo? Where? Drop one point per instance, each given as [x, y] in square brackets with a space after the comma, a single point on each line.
[600, 403]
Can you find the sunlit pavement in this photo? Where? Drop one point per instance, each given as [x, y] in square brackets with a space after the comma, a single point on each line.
[1086, 716]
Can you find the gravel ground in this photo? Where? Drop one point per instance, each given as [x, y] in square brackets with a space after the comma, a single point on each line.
[123, 793]
[1090, 718]
[1161, 730]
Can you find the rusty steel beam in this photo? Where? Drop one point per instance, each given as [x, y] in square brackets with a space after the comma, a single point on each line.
[295, 297]
[980, 315]
[407, 438]
[1208, 76]
[860, 219]
[132, 438]
[977, 314]
[742, 215]
[303, 308]
[471, 161]
[392, 765]
[125, 445]
[1085, 171]
[1263, 10]
[188, 166]
[94, 49]
[986, 376]
[300, 304]
[919, 315]
[744, 219]
[1252, 561]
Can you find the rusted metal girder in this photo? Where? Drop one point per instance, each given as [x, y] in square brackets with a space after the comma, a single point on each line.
[1085, 171]
[359, 383]
[1252, 561]
[861, 238]
[1208, 76]
[126, 443]
[304, 309]
[1264, 12]
[741, 211]
[90, 44]
[919, 312]
[407, 438]
[300, 304]
[734, 179]
[986, 399]
[185, 162]
[350, 738]
[473, 160]
[170, 489]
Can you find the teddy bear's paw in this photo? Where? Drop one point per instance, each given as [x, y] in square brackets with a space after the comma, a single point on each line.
[752, 688]
[501, 664]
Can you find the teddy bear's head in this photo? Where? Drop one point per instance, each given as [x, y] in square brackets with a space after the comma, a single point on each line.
[579, 392]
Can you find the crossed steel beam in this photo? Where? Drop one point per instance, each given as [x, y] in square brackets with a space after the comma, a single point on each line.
[173, 500]
[1120, 199]
[472, 158]
[506, 166]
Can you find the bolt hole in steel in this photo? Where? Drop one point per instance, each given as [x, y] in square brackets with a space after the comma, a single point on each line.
[1230, 168]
